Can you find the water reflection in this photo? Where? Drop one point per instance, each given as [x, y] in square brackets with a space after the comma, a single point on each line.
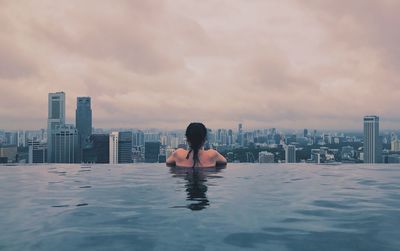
[195, 185]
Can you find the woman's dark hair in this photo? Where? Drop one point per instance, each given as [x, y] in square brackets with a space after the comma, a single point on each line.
[196, 135]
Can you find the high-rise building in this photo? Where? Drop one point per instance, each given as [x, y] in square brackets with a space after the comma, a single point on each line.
[305, 133]
[240, 138]
[125, 147]
[113, 141]
[11, 138]
[265, 157]
[290, 154]
[65, 143]
[37, 151]
[97, 150]
[83, 120]
[291, 138]
[151, 152]
[152, 137]
[9, 153]
[230, 137]
[372, 140]
[347, 153]
[395, 143]
[21, 135]
[138, 138]
[56, 118]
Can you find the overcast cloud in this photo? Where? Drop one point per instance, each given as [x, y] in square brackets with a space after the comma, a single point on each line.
[278, 63]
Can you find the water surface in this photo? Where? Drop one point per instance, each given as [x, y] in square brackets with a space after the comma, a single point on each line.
[243, 207]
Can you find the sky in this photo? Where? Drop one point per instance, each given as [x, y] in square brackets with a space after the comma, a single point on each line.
[164, 63]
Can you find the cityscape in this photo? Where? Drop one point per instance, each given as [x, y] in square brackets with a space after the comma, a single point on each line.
[83, 143]
[199, 125]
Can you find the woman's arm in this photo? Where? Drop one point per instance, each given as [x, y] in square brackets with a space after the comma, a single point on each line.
[220, 160]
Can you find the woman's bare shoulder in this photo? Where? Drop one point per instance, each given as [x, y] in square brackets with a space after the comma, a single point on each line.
[180, 152]
[212, 152]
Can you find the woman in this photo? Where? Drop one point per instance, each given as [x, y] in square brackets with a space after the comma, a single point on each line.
[196, 134]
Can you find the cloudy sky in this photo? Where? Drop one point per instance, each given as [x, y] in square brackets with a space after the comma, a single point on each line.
[163, 63]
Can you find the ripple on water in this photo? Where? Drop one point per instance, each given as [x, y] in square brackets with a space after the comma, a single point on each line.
[65, 205]
[301, 240]
[333, 204]
[55, 182]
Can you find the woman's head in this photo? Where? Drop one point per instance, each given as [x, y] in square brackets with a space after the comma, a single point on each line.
[196, 135]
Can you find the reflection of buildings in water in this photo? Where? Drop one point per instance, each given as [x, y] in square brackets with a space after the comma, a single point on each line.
[196, 186]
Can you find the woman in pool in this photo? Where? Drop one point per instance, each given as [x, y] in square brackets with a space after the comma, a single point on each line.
[196, 135]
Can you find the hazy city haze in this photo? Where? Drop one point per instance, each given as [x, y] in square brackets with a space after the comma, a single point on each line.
[286, 63]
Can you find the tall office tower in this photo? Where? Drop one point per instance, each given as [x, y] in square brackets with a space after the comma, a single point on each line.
[240, 139]
[372, 141]
[56, 118]
[113, 141]
[21, 135]
[230, 137]
[65, 144]
[37, 151]
[151, 152]
[125, 147]
[138, 138]
[152, 137]
[305, 133]
[98, 149]
[210, 138]
[11, 138]
[290, 154]
[222, 137]
[83, 120]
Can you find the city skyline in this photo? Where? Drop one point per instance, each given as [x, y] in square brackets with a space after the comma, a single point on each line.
[80, 143]
[162, 64]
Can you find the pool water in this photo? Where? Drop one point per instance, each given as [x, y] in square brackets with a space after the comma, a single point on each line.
[243, 207]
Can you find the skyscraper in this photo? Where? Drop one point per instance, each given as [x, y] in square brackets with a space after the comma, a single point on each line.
[98, 149]
[394, 143]
[65, 144]
[56, 118]
[151, 152]
[138, 138]
[37, 151]
[125, 147]
[83, 119]
[372, 141]
[113, 148]
[290, 154]
[240, 139]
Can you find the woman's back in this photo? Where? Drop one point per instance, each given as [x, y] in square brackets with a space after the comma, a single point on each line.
[206, 158]
[196, 135]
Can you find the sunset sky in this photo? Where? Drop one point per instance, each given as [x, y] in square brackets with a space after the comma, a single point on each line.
[160, 64]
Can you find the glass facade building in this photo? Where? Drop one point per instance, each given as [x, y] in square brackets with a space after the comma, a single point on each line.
[56, 118]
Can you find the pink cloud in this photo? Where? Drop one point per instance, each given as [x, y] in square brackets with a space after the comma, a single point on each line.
[163, 63]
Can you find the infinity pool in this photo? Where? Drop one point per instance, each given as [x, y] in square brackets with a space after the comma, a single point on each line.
[245, 206]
